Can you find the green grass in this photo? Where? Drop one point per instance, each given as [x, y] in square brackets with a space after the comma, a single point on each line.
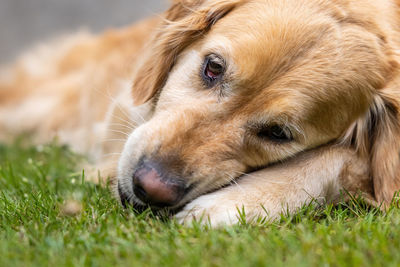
[35, 184]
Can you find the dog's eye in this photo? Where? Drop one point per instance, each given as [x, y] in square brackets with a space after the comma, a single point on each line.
[213, 69]
[275, 133]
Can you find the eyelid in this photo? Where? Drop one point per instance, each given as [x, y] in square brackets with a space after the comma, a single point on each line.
[216, 58]
[268, 132]
[297, 133]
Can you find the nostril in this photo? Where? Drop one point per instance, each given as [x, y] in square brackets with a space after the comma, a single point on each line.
[140, 193]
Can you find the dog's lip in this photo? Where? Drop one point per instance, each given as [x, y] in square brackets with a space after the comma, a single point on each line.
[139, 207]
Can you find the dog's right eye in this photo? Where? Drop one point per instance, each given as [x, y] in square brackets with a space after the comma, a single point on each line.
[213, 69]
[275, 133]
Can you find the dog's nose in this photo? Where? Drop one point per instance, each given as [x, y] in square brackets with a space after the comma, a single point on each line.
[155, 188]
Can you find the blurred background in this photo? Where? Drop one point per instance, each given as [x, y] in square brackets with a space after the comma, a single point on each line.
[23, 23]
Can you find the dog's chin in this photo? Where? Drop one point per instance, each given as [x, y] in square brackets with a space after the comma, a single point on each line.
[132, 202]
[139, 207]
[163, 211]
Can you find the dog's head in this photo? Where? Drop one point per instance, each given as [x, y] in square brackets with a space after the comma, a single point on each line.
[238, 85]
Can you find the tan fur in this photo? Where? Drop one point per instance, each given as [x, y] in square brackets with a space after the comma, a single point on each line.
[326, 70]
[179, 29]
[274, 190]
[79, 76]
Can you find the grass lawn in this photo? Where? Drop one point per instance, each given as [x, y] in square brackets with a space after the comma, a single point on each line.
[38, 228]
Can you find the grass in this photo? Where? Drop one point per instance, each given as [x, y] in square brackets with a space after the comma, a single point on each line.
[37, 183]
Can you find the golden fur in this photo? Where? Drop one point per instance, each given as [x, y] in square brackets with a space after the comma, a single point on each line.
[325, 70]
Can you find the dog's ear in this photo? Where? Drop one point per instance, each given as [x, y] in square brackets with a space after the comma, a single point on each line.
[185, 22]
[377, 136]
[385, 145]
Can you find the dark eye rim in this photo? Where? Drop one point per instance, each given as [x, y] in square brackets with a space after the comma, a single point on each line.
[216, 59]
[275, 133]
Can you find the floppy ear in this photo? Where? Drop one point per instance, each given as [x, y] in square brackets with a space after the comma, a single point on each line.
[377, 136]
[385, 150]
[185, 22]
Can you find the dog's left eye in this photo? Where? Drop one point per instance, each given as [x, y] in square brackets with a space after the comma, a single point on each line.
[213, 69]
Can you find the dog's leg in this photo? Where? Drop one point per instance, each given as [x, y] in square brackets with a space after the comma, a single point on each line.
[315, 175]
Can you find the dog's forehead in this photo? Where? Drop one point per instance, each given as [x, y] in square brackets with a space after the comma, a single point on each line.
[269, 36]
[295, 48]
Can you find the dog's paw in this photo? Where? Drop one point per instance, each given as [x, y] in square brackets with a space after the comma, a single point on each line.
[212, 209]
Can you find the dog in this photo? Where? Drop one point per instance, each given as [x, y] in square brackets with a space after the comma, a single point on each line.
[218, 106]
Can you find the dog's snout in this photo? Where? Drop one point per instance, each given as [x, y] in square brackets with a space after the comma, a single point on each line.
[152, 186]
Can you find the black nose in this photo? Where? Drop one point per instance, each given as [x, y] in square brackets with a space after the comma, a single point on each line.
[154, 187]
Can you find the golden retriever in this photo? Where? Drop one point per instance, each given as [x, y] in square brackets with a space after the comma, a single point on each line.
[255, 104]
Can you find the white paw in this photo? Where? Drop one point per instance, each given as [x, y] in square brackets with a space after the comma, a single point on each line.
[209, 209]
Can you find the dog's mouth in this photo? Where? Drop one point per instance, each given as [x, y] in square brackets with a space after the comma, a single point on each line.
[137, 199]
[152, 188]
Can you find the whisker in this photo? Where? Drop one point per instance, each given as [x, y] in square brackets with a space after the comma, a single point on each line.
[122, 125]
[117, 131]
[233, 181]
[118, 105]
[113, 140]
[124, 111]
[139, 115]
[130, 123]
[239, 186]
[112, 154]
